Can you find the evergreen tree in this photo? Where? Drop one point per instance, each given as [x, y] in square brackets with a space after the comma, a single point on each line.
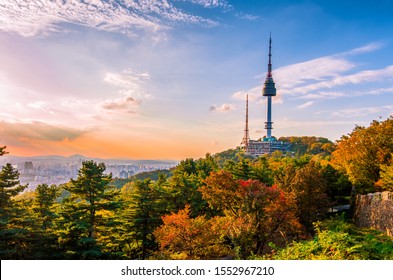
[9, 186]
[261, 171]
[45, 197]
[12, 233]
[2, 151]
[143, 217]
[82, 213]
[183, 187]
[241, 170]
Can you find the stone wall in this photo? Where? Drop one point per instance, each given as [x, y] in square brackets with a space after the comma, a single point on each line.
[375, 210]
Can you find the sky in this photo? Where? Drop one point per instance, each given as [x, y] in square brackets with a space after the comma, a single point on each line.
[168, 79]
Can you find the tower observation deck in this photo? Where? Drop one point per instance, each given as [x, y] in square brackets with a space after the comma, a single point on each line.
[269, 143]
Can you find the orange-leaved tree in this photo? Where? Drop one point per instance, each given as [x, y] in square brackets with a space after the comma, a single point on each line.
[364, 153]
[257, 214]
[182, 237]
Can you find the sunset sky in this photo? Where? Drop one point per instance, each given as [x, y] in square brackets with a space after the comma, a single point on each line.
[167, 79]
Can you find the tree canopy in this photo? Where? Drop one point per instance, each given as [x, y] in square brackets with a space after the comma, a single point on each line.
[364, 152]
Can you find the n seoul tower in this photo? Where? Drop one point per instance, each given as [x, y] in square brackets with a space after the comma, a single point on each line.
[269, 144]
[269, 90]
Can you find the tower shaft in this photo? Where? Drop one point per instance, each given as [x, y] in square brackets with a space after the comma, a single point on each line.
[269, 123]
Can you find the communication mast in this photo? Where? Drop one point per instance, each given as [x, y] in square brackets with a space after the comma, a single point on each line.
[246, 136]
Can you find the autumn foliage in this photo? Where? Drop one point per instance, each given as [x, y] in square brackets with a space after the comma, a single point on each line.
[228, 205]
[256, 213]
[182, 237]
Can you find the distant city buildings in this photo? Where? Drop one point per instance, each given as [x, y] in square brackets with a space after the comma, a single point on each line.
[59, 170]
[268, 144]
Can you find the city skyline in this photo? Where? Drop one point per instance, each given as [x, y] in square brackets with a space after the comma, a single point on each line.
[169, 79]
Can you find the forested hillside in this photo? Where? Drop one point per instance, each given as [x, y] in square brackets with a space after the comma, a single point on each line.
[219, 206]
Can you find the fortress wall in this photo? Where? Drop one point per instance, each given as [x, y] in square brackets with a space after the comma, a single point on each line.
[375, 210]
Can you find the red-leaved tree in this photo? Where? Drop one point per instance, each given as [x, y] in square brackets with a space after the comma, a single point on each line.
[255, 214]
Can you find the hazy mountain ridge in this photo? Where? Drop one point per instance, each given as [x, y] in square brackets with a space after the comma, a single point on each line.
[79, 158]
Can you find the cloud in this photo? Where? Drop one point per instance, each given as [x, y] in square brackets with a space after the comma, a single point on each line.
[305, 105]
[126, 79]
[382, 90]
[16, 133]
[365, 111]
[357, 78]
[305, 77]
[325, 72]
[361, 77]
[131, 85]
[314, 70]
[125, 104]
[254, 94]
[223, 108]
[241, 15]
[373, 46]
[73, 103]
[324, 77]
[323, 95]
[210, 3]
[30, 18]
[37, 105]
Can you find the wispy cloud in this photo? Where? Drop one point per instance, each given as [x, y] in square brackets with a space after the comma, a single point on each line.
[246, 16]
[128, 79]
[30, 18]
[319, 69]
[305, 105]
[365, 111]
[323, 95]
[300, 77]
[255, 95]
[130, 84]
[373, 46]
[382, 90]
[17, 133]
[325, 77]
[125, 104]
[357, 78]
[37, 105]
[223, 108]
[210, 3]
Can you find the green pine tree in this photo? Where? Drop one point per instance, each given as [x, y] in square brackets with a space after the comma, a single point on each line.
[82, 214]
[12, 233]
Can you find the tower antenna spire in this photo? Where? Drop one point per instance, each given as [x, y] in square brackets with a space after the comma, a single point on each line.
[269, 66]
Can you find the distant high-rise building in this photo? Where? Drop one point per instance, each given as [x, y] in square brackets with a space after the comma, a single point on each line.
[269, 143]
[28, 165]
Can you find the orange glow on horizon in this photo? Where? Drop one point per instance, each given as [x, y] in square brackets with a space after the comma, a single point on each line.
[99, 147]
